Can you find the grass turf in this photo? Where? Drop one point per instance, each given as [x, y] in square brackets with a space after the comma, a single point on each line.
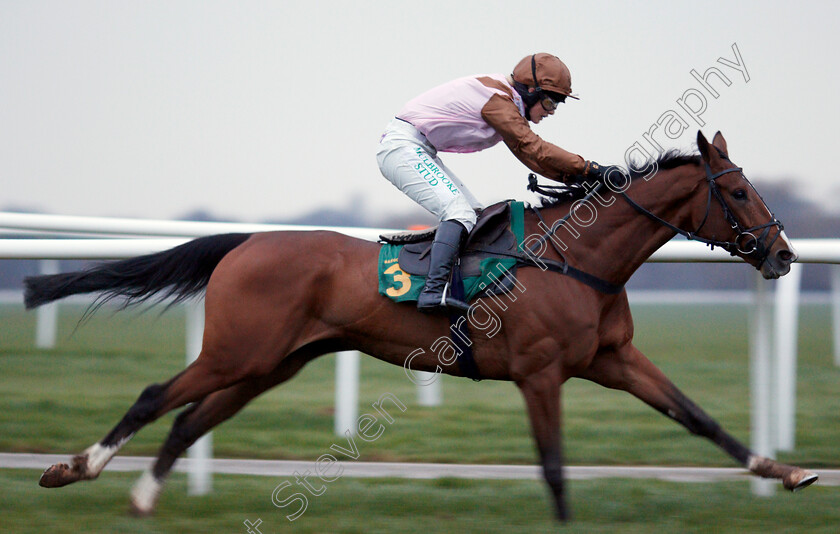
[402, 506]
[64, 399]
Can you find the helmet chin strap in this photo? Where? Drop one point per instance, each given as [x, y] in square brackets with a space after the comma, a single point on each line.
[537, 88]
[529, 98]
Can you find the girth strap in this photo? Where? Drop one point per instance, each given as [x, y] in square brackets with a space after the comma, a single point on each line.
[561, 267]
[592, 281]
[457, 323]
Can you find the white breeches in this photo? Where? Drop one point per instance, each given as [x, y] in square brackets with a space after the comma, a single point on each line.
[409, 162]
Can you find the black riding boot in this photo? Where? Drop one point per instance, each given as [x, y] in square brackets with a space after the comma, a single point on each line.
[444, 253]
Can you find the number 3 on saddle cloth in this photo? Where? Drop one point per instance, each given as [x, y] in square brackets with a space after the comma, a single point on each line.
[404, 257]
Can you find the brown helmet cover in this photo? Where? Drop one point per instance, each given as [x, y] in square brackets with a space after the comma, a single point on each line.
[552, 74]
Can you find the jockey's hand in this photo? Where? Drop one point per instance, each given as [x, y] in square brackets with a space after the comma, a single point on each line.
[571, 179]
[594, 170]
[532, 182]
[603, 172]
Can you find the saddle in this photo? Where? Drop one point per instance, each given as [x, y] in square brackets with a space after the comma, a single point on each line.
[487, 267]
[491, 237]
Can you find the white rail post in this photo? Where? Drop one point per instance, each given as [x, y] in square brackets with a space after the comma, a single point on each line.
[200, 475]
[760, 385]
[786, 329]
[46, 318]
[429, 394]
[835, 311]
[346, 391]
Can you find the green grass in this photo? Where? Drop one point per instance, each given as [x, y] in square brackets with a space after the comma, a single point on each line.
[400, 506]
[63, 400]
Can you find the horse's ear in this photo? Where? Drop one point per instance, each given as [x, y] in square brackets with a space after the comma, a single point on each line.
[703, 145]
[720, 142]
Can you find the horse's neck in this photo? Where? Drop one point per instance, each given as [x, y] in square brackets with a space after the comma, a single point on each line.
[620, 239]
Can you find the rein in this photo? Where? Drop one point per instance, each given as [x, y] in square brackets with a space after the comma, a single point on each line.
[562, 266]
[756, 246]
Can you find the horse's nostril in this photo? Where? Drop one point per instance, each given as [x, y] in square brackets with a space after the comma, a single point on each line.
[786, 256]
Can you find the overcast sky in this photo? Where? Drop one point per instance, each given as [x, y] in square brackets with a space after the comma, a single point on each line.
[266, 110]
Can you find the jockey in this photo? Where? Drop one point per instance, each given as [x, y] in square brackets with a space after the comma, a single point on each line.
[467, 115]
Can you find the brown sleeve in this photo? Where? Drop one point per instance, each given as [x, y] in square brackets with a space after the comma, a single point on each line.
[538, 155]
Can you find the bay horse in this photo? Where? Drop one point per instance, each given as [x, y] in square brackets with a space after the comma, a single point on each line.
[277, 300]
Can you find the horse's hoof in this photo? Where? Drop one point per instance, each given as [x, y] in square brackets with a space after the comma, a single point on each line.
[806, 481]
[800, 479]
[137, 511]
[57, 475]
[144, 495]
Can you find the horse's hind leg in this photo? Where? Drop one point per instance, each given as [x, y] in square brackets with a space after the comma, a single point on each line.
[196, 421]
[202, 377]
[88, 464]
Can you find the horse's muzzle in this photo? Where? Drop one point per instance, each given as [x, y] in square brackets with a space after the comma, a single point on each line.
[778, 261]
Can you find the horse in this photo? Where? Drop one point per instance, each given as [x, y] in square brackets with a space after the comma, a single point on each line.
[277, 300]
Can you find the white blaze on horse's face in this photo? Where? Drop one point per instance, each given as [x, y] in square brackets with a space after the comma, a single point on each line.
[757, 235]
[775, 261]
[781, 253]
[778, 264]
[779, 250]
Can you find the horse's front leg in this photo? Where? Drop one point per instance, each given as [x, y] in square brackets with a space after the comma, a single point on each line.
[629, 370]
[542, 399]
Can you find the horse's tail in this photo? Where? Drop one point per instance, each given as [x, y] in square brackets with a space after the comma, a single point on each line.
[179, 272]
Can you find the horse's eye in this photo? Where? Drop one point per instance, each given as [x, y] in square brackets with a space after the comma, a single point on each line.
[739, 194]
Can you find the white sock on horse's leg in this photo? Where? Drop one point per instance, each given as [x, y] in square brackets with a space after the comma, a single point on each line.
[99, 455]
[145, 493]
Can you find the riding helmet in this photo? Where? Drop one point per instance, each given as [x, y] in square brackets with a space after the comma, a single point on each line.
[551, 74]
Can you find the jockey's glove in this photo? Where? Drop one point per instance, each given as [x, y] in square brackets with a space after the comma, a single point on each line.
[604, 172]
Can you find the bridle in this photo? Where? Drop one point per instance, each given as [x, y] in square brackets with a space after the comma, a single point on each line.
[755, 247]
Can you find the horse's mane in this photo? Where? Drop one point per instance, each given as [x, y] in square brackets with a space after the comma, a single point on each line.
[669, 159]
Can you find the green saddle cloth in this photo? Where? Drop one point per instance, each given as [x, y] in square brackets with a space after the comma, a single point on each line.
[401, 286]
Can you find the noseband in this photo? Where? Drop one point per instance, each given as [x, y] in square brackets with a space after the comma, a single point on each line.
[755, 247]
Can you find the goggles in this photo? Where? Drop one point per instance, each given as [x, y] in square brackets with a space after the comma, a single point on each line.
[550, 103]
